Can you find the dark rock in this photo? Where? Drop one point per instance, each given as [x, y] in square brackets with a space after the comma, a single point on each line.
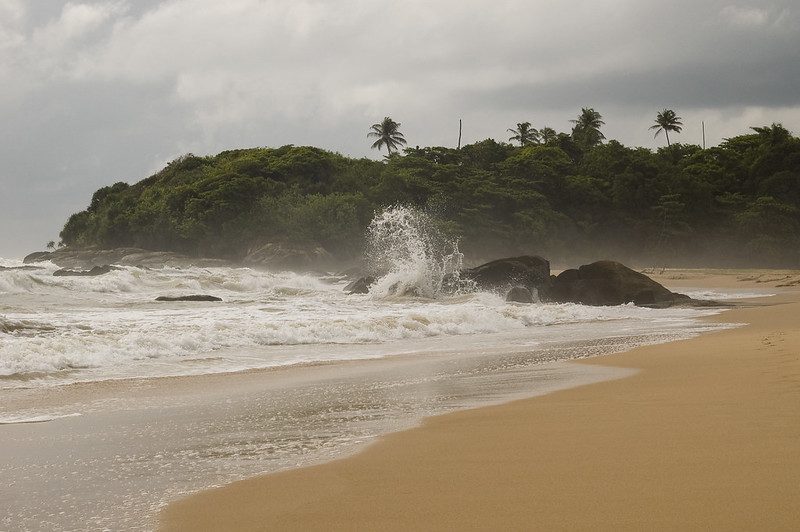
[97, 270]
[528, 271]
[519, 294]
[86, 258]
[274, 256]
[352, 272]
[610, 283]
[189, 298]
[37, 256]
[360, 286]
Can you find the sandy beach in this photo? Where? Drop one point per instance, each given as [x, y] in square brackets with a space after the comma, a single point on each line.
[704, 436]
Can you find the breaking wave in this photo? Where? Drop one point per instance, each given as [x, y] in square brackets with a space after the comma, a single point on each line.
[409, 255]
[92, 328]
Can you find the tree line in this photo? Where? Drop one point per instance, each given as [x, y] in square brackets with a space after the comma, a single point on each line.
[569, 196]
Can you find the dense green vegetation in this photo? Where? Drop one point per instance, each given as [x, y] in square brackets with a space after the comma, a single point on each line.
[567, 196]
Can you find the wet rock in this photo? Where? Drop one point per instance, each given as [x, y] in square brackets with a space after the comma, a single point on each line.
[86, 258]
[527, 271]
[611, 283]
[272, 256]
[37, 256]
[94, 272]
[519, 294]
[198, 297]
[360, 285]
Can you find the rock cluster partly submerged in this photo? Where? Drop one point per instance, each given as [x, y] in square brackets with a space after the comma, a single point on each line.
[527, 278]
[611, 283]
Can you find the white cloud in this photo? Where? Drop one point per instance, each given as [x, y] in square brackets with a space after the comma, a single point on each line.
[746, 16]
[76, 21]
[12, 13]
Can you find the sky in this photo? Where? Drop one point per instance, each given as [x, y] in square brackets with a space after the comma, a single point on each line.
[95, 92]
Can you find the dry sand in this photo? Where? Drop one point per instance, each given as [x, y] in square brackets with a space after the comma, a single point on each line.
[707, 435]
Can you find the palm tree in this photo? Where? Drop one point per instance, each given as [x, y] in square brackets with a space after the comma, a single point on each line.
[774, 134]
[388, 134]
[548, 135]
[524, 134]
[586, 131]
[667, 121]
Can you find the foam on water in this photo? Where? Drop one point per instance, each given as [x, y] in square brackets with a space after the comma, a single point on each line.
[99, 328]
[88, 328]
[34, 418]
[717, 295]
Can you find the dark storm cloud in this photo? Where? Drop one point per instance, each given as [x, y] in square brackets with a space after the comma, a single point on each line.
[773, 82]
[106, 90]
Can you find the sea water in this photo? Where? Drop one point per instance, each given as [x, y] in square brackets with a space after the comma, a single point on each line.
[58, 330]
[96, 431]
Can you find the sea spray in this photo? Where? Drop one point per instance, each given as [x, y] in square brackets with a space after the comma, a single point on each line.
[409, 255]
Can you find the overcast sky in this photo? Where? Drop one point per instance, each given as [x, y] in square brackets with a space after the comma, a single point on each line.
[96, 92]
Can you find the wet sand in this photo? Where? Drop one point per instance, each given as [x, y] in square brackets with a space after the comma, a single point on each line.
[107, 455]
[706, 435]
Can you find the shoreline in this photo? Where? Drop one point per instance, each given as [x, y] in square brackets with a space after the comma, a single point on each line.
[140, 443]
[379, 486]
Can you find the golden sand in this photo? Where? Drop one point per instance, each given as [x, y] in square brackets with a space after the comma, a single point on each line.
[705, 436]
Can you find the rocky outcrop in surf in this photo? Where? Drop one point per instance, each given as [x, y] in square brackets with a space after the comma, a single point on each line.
[519, 294]
[272, 256]
[93, 272]
[88, 258]
[198, 297]
[528, 271]
[606, 283]
[360, 285]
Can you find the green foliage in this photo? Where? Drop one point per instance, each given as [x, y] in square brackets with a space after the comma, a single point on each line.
[561, 197]
[586, 131]
[524, 134]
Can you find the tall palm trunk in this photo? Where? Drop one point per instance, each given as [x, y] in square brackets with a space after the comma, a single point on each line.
[666, 132]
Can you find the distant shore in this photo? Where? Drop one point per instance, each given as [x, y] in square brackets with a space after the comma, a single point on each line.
[704, 436]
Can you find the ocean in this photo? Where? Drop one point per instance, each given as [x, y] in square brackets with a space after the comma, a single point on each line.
[61, 330]
[113, 403]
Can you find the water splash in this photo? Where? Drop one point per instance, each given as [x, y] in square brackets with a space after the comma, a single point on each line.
[410, 256]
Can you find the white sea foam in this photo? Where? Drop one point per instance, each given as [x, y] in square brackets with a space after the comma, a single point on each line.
[33, 418]
[720, 295]
[114, 324]
[410, 256]
[109, 326]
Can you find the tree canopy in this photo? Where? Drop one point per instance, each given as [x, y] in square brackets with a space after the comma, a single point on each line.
[586, 131]
[524, 134]
[734, 204]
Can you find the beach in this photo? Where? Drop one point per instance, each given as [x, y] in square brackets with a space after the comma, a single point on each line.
[114, 404]
[704, 435]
